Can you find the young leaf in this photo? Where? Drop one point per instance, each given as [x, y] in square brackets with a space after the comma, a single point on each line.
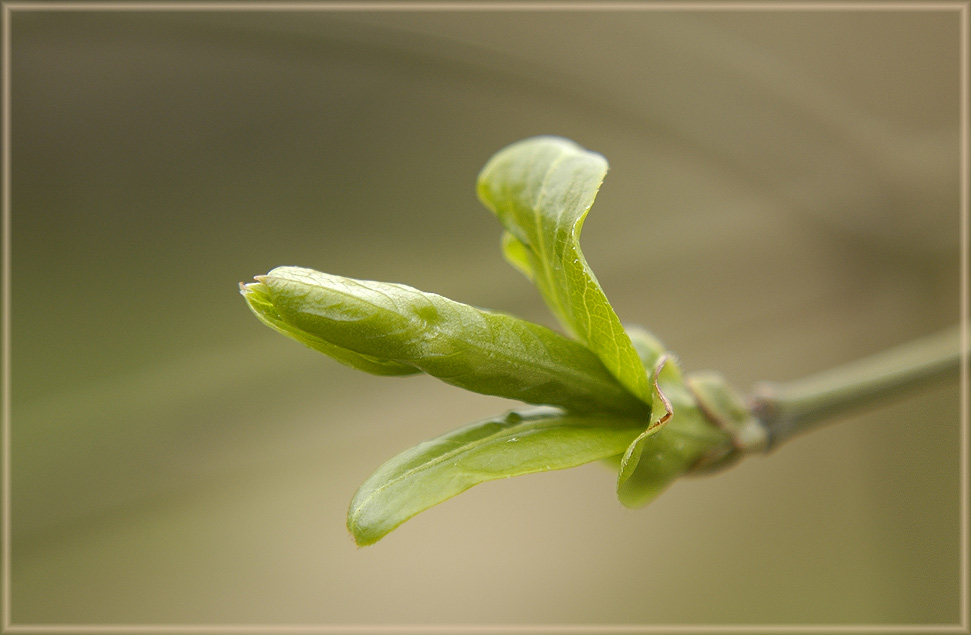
[541, 189]
[258, 298]
[517, 443]
[629, 491]
[481, 351]
[517, 254]
[677, 439]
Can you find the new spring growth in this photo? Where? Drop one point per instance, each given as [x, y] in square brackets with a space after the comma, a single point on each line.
[398, 327]
[603, 392]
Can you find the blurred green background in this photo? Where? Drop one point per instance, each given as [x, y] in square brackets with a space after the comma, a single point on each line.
[783, 197]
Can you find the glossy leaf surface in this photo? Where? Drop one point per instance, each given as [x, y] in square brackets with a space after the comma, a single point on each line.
[511, 445]
[258, 298]
[541, 189]
[481, 351]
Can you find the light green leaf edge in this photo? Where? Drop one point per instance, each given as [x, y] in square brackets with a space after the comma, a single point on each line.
[482, 351]
[541, 190]
[258, 299]
[514, 444]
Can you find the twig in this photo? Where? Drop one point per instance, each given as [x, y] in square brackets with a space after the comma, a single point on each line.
[791, 408]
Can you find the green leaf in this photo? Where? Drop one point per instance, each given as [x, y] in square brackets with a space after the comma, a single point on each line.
[517, 443]
[258, 298]
[517, 254]
[677, 439]
[630, 490]
[481, 351]
[541, 189]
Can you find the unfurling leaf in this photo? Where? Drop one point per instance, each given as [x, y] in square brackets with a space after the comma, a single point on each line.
[392, 327]
[517, 443]
[259, 300]
[541, 189]
[678, 438]
[517, 254]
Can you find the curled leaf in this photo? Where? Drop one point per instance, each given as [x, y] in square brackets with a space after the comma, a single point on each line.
[517, 254]
[397, 326]
[677, 439]
[541, 189]
[631, 491]
[258, 298]
[517, 443]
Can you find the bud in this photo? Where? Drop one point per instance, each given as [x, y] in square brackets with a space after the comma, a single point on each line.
[678, 438]
[723, 406]
[699, 424]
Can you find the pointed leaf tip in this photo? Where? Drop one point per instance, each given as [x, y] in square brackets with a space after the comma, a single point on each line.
[514, 444]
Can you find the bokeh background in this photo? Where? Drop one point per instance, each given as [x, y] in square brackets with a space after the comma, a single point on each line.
[783, 198]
